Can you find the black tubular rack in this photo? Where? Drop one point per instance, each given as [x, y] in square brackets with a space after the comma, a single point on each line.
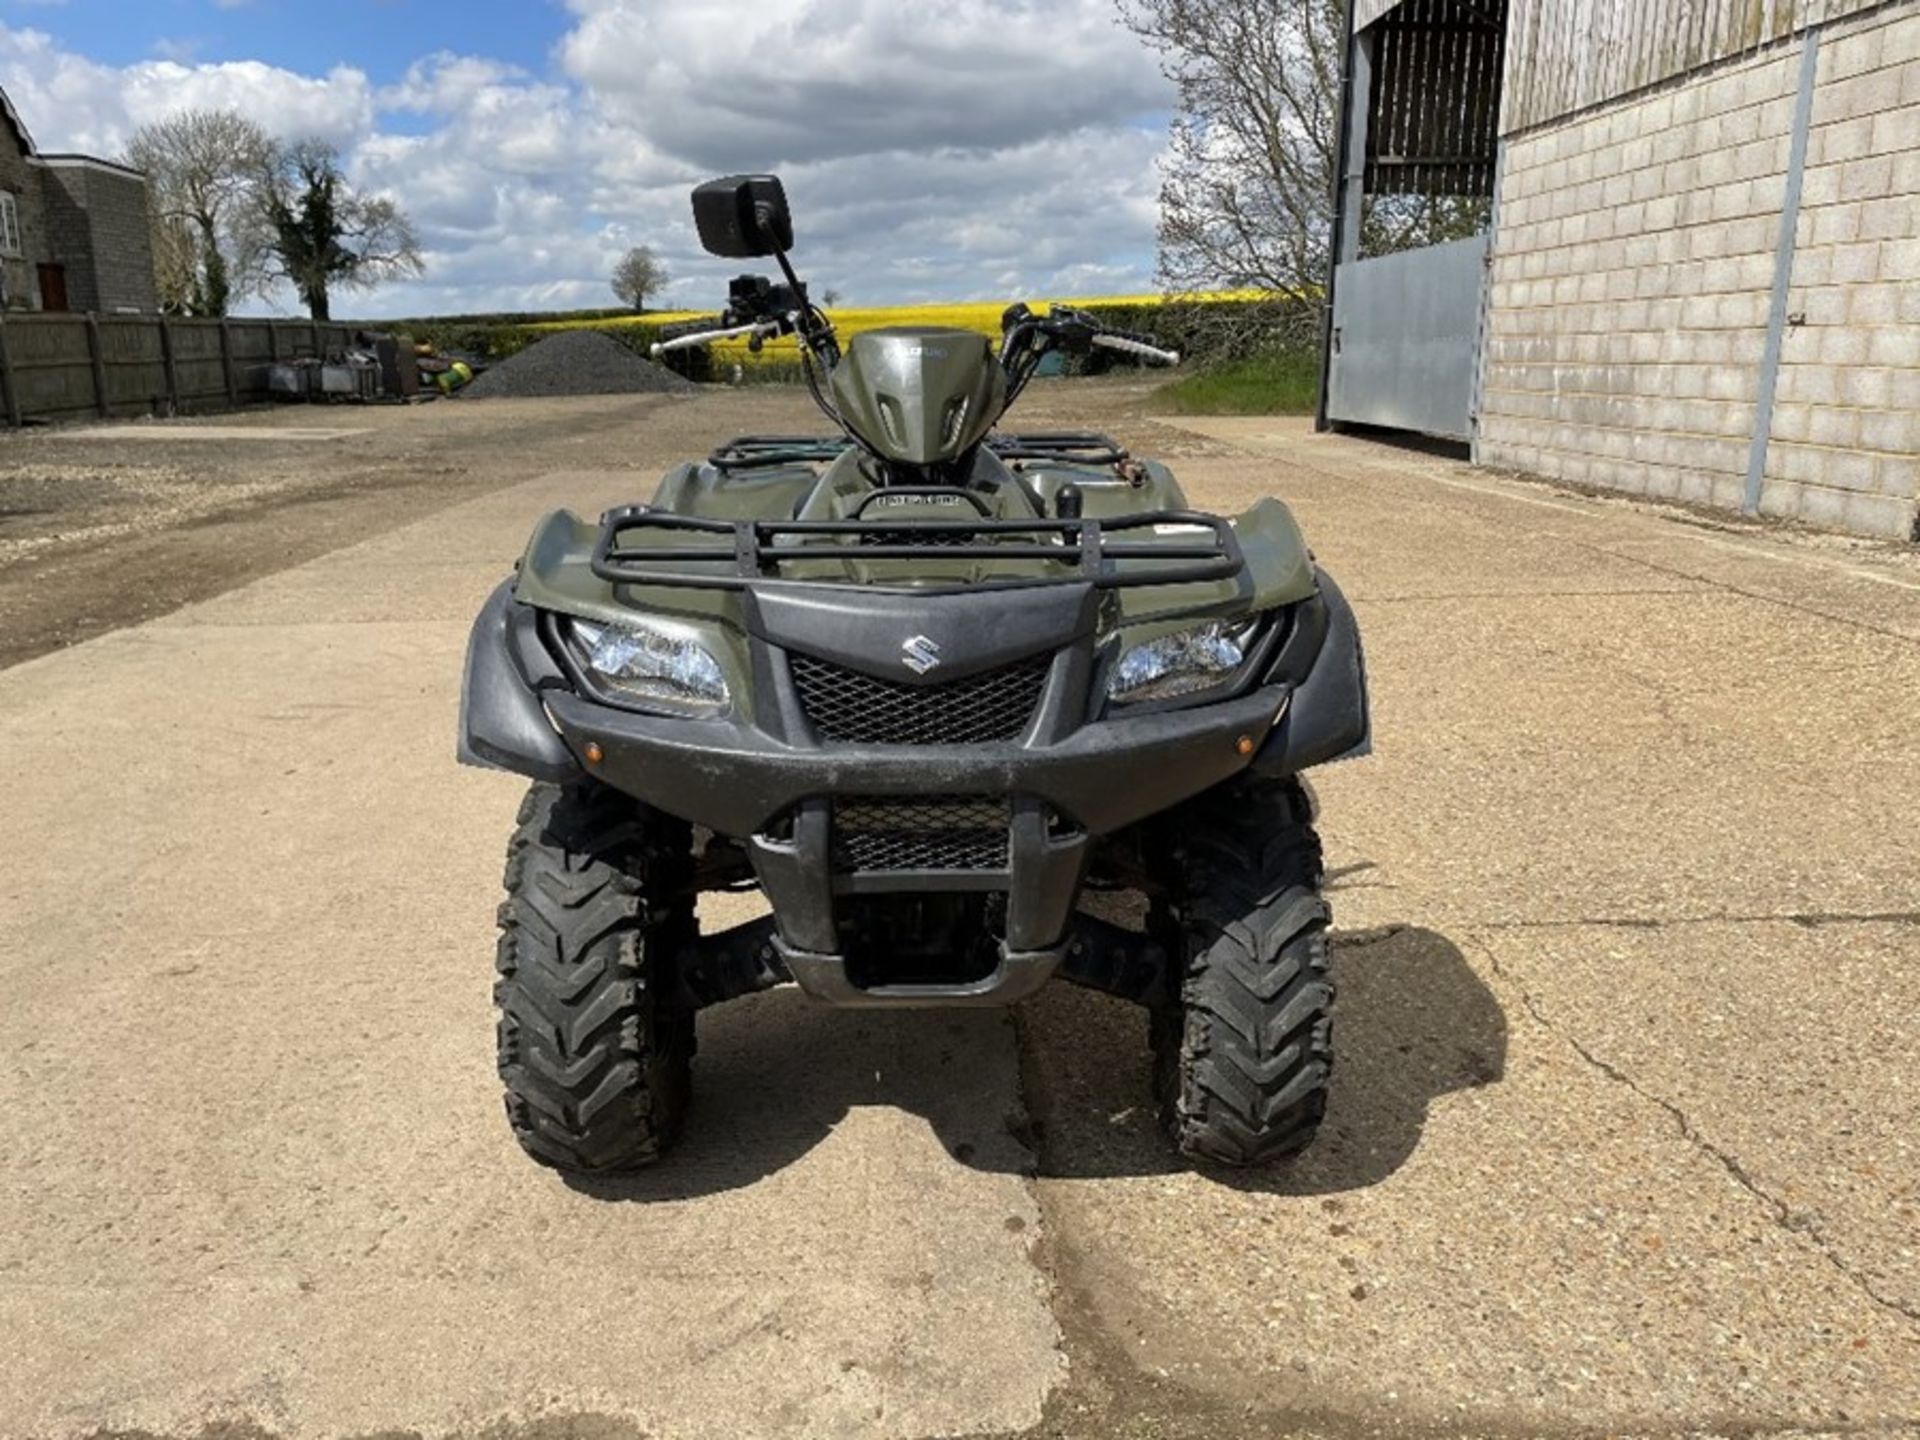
[742, 552]
[1067, 447]
[733, 554]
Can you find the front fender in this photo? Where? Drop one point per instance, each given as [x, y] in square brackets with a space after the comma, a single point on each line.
[1328, 717]
[503, 725]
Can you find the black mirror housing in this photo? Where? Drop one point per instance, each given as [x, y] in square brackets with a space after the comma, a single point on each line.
[742, 216]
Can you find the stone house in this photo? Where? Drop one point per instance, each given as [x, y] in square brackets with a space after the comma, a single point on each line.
[74, 231]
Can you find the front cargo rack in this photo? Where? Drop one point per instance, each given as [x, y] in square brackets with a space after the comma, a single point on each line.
[1064, 447]
[756, 452]
[1060, 447]
[1193, 548]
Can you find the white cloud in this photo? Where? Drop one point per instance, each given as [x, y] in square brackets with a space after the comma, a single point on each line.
[444, 83]
[741, 83]
[70, 102]
[168, 48]
[995, 151]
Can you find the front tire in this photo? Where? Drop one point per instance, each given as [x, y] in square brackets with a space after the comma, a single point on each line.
[1244, 1055]
[594, 1054]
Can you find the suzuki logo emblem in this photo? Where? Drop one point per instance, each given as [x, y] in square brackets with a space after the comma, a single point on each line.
[920, 654]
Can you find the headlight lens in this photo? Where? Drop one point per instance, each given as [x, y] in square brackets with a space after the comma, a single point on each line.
[654, 666]
[1184, 663]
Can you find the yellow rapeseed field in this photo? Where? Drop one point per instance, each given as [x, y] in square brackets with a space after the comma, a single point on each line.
[978, 315]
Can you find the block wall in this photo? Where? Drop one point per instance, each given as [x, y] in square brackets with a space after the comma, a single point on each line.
[1633, 269]
[1845, 449]
[98, 228]
[69, 236]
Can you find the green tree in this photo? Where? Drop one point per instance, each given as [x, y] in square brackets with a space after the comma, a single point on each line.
[313, 230]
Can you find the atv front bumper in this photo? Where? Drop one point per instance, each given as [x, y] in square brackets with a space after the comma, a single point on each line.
[736, 781]
[1062, 786]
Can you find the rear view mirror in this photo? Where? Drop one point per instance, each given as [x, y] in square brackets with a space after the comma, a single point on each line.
[741, 216]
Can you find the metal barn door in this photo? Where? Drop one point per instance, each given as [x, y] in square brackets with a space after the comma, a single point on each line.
[1405, 341]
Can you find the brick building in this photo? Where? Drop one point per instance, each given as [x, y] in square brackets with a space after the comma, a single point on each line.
[74, 232]
[1699, 276]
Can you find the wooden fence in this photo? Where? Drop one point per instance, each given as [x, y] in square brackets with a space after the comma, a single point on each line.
[71, 367]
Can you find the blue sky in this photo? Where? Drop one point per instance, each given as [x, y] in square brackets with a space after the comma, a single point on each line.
[380, 37]
[1005, 147]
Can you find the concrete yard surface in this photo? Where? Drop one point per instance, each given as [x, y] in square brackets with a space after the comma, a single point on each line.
[1624, 1132]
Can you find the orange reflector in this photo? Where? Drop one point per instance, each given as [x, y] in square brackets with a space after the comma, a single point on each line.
[594, 753]
[1244, 744]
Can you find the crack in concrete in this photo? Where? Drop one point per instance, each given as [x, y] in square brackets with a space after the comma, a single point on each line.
[1851, 621]
[1807, 919]
[1794, 1222]
[1704, 589]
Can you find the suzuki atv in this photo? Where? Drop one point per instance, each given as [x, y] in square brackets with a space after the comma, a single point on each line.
[923, 685]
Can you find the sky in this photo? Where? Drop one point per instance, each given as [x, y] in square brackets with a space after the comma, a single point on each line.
[991, 149]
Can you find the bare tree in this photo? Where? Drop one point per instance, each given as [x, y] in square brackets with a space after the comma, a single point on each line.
[178, 275]
[638, 275]
[1246, 198]
[830, 297]
[201, 167]
[311, 229]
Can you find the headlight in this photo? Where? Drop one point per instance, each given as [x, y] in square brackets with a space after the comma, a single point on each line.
[1184, 663]
[648, 664]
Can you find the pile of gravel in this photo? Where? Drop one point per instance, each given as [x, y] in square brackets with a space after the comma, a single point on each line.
[574, 362]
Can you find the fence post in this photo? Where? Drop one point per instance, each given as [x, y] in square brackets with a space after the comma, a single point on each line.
[170, 364]
[6, 379]
[102, 400]
[226, 361]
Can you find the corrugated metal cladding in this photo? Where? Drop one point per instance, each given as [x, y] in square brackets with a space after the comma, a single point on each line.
[1434, 107]
[1565, 55]
[1365, 12]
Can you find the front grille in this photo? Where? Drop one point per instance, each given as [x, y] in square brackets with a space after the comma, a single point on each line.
[846, 706]
[933, 832]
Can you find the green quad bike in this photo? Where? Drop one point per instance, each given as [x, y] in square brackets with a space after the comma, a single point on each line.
[922, 684]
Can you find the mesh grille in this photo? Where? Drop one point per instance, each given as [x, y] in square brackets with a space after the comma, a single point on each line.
[847, 706]
[933, 832]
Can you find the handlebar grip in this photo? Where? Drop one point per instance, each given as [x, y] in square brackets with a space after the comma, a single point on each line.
[703, 337]
[1127, 346]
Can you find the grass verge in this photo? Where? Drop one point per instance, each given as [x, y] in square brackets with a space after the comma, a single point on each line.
[1274, 382]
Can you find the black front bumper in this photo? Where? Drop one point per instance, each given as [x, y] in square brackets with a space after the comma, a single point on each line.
[1065, 782]
[733, 778]
[737, 781]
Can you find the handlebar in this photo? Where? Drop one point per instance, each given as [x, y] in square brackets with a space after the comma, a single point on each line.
[760, 328]
[1140, 349]
[1026, 336]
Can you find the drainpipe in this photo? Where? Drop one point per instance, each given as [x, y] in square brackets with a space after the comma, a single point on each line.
[1783, 257]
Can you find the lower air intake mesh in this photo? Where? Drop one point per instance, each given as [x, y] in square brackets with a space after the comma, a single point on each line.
[934, 832]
